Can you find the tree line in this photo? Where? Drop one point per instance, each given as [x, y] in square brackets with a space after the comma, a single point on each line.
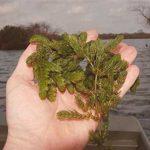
[17, 37]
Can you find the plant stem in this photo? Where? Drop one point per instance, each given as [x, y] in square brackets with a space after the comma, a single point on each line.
[89, 61]
[95, 87]
[95, 83]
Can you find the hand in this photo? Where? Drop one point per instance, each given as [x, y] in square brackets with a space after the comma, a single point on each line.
[32, 123]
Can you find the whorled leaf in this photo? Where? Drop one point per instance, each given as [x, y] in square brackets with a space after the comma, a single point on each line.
[82, 105]
[70, 88]
[135, 85]
[76, 76]
[51, 93]
[60, 82]
[70, 115]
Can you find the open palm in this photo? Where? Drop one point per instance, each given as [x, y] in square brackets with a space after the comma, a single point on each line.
[33, 122]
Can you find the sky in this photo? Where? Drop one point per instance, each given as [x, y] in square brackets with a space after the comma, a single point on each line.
[106, 16]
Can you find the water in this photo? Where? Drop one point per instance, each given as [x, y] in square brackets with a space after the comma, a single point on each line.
[137, 105]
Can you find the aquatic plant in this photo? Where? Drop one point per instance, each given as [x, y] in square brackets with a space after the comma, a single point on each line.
[59, 64]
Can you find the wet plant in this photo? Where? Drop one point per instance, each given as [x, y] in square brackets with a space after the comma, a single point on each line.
[86, 69]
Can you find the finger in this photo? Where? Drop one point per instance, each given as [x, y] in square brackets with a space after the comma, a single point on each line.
[133, 73]
[122, 44]
[119, 46]
[128, 53]
[22, 69]
[91, 35]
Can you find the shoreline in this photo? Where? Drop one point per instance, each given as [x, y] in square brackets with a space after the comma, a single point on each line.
[104, 37]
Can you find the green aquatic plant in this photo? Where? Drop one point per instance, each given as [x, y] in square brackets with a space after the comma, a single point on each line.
[85, 69]
[135, 85]
[99, 136]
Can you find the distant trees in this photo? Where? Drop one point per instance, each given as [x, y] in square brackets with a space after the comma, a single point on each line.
[12, 37]
[17, 37]
[39, 28]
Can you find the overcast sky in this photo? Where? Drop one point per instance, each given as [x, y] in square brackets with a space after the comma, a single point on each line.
[75, 15]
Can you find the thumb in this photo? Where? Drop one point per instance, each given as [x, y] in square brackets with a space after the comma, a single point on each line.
[91, 35]
[22, 69]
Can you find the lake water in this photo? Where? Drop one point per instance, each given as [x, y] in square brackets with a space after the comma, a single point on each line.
[137, 105]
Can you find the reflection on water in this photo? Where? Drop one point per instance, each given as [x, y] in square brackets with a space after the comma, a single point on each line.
[137, 105]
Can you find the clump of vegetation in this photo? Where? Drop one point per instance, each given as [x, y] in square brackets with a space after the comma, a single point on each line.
[89, 70]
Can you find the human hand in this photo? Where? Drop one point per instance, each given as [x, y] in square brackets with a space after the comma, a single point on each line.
[32, 123]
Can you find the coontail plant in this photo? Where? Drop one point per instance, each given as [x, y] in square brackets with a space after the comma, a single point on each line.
[58, 64]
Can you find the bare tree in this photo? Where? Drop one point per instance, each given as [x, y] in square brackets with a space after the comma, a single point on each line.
[144, 10]
[39, 28]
